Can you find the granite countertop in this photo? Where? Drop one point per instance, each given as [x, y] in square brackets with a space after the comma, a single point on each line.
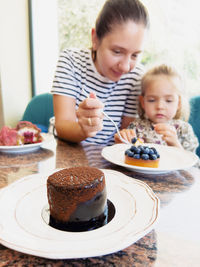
[175, 240]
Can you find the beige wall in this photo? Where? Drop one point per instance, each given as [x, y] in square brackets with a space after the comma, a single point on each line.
[15, 70]
[14, 59]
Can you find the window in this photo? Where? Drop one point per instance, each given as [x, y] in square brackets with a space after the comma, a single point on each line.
[173, 37]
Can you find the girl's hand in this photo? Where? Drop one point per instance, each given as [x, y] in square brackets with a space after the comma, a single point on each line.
[127, 134]
[169, 134]
[90, 117]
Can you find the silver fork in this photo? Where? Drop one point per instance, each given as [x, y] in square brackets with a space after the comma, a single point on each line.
[108, 117]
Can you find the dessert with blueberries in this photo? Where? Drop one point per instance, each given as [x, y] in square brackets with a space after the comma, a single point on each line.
[142, 155]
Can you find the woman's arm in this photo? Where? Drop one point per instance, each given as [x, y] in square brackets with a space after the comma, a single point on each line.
[74, 125]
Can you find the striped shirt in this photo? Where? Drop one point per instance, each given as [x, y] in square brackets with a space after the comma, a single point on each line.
[76, 71]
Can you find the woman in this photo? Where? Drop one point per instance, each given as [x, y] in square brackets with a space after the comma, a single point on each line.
[107, 77]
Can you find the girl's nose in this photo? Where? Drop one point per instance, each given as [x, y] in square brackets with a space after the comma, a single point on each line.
[160, 104]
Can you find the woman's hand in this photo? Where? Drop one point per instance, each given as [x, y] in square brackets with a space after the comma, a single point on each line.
[127, 134]
[169, 134]
[90, 116]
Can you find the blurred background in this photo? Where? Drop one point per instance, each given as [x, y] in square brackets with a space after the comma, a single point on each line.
[33, 32]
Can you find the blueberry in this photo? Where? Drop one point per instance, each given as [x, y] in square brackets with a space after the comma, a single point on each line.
[145, 156]
[135, 149]
[127, 151]
[154, 149]
[130, 154]
[151, 151]
[138, 150]
[142, 149]
[153, 156]
[134, 140]
[146, 150]
[136, 156]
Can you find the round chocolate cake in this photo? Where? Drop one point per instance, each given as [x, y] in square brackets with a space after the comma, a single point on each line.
[77, 199]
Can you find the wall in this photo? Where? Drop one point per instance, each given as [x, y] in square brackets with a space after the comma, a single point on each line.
[14, 59]
[15, 56]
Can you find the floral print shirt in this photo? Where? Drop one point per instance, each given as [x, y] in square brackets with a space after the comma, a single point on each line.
[145, 130]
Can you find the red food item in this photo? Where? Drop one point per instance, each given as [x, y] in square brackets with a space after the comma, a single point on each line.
[29, 132]
[24, 133]
[8, 136]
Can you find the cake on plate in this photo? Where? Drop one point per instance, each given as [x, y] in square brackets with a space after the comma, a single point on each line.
[77, 199]
[24, 133]
[142, 155]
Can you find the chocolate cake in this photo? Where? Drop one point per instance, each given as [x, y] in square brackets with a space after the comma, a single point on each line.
[77, 199]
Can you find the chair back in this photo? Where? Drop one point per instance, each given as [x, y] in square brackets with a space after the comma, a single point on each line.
[194, 119]
[39, 110]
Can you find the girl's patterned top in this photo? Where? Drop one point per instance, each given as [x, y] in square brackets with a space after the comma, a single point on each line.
[145, 130]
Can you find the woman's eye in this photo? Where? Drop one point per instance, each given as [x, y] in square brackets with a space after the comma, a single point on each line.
[134, 56]
[169, 100]
[151, 100]
[116, 51]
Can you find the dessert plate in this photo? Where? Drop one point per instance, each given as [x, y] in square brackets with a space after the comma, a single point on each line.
[26, 148]
[23, 228]
[171, 158]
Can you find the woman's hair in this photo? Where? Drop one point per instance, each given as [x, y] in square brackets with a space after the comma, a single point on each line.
[120, 11]
[171, 73]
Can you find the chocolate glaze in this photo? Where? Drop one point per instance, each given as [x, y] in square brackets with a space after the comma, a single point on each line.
[80, 226]
[76, 194]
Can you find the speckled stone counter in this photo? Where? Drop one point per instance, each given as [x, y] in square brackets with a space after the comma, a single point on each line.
[175, 239]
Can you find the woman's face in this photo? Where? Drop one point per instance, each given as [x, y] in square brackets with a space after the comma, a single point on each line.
[118, 51]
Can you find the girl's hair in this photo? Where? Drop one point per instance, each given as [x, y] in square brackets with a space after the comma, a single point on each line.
[170, 72]
[120, 11]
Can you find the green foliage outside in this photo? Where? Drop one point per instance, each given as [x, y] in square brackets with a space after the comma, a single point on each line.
[173, 37]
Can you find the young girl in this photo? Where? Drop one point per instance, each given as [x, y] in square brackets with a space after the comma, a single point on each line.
[163, 111]
[109, 73]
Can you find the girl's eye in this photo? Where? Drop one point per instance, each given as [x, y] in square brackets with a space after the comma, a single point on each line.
[169, 100]
[151, 100]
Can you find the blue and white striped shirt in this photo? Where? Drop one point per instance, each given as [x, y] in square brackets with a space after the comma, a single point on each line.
[76, 70]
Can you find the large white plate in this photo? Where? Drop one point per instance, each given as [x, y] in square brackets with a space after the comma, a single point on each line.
[22, 227]
[171, 158]
[26, 148]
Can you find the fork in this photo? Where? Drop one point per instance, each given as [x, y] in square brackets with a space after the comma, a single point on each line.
[109, 118]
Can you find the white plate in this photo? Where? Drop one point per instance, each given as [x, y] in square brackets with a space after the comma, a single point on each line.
[171, 158]
[22, 227]
[26, 148]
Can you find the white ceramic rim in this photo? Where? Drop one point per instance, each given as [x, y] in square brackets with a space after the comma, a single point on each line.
[171, 158]
[22, 227]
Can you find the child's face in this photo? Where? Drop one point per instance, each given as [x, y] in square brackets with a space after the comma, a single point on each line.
[118, 51]
[161, 100]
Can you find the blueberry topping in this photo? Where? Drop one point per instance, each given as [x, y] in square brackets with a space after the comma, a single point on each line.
[134, 140]
[142, 152]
